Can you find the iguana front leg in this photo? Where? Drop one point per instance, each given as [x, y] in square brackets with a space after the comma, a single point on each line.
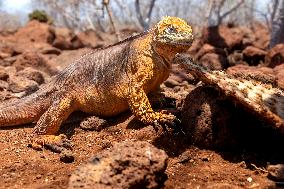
[141, 108]
[49, 124]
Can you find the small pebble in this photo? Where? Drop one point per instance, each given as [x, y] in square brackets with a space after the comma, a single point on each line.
[93, 123]
[67, 156]
[184, 158]
[249, 179]
[276, 172]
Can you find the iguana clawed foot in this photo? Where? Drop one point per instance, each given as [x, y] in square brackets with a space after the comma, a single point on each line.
[167, 120]
[54, 143]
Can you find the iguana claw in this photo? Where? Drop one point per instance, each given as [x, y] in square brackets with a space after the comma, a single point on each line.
[54, 143]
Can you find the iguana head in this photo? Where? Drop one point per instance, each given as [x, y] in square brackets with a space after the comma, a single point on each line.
[173, 31]
[171, 36]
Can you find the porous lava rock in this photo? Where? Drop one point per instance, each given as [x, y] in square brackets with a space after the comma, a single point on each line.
[127, 164]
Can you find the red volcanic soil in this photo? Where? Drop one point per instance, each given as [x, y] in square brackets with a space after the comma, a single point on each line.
[220, 145]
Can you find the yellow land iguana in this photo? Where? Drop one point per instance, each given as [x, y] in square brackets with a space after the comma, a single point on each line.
[105, 82]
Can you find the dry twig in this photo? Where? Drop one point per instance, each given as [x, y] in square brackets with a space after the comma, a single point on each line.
[110, 15]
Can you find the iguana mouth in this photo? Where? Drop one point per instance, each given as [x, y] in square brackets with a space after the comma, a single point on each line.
[182, 39]
[185, 40]
[181, 42]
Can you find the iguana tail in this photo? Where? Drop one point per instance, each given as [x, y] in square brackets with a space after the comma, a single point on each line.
[25, 110]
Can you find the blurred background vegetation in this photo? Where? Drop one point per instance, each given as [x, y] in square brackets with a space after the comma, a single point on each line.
[116, 15]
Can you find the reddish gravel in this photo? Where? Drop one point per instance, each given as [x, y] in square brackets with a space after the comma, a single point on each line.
[222, 146]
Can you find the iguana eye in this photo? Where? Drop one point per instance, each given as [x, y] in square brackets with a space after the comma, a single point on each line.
[171, 30]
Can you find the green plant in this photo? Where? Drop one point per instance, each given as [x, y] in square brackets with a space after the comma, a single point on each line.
[41, 16]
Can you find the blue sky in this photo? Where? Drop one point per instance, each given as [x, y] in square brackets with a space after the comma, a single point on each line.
[16, 6]
[21, 8]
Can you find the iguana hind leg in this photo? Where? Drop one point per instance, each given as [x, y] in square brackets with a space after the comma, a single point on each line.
[49, 124]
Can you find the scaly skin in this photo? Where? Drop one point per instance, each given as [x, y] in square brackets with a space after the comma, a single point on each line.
[260, 98]
[106, 82]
